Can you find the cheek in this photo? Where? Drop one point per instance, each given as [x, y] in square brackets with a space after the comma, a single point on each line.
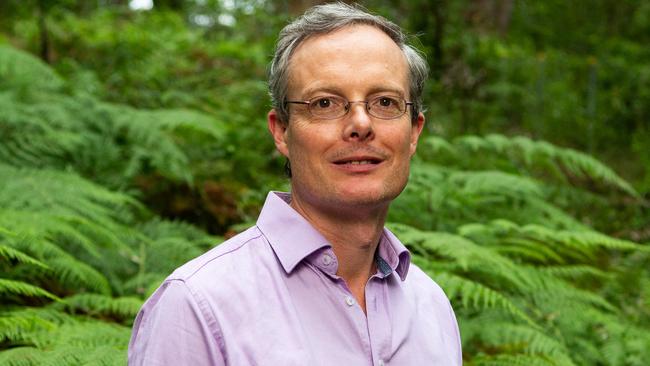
[402, 141]
[303, 154]
[309, 142]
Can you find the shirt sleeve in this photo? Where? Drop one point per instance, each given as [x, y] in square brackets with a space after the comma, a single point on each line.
[172, 329]
[458, 344]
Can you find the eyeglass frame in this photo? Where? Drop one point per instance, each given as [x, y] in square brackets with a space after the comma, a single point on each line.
[348, 103]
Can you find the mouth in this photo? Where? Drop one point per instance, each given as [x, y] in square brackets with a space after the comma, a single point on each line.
[358, 161]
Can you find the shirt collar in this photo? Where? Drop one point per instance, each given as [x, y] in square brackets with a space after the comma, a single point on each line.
[293, 238]
[394, 254]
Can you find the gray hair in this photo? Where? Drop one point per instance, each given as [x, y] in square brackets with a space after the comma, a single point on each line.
[322, 19]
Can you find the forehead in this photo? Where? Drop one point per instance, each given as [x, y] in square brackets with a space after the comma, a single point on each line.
[353, 59]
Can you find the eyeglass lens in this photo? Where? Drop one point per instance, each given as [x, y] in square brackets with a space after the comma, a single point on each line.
[384, 107]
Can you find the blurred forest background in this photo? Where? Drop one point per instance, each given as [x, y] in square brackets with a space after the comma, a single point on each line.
[133, 138]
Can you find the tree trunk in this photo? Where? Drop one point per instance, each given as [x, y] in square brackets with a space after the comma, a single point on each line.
[503, 16]
[43, 32]
[437, 39]
[429, 19]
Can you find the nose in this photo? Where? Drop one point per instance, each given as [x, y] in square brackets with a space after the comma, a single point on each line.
[359, 126]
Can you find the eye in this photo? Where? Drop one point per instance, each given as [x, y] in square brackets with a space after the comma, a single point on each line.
[386, 101]
[322, 103]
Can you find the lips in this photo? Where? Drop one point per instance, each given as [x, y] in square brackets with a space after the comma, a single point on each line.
[358, 161]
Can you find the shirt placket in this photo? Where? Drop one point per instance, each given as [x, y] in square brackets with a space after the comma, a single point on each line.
[355, 311]
[373, 327]
[378, 324]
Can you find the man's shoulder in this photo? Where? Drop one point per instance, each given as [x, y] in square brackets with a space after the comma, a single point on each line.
[424, 287]
[224, 259]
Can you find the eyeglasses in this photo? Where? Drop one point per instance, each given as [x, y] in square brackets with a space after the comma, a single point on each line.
[332, 107]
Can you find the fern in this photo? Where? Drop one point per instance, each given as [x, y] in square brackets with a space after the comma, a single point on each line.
[440, 198]
[523, 153]
[11, 287]
[95, 305]
[473, 295]
[47, 336]
[501, 223]
[494, 269]
[513, 360]
[78, 275]
[110, 143]
[10, 254]
[22, 356]
[14, 325]
[523, 339]
[19, 70]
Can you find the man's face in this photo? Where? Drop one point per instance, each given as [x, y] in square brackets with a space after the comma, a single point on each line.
[357, 160]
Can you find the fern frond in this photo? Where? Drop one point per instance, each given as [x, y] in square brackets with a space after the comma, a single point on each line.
[166, 253]
[85, 334]
[105, 356]
[482, 183]
[110, 143]
[545, 244]
[474, 295]
[22, 356]
[440, 199]
[65, 192]
[561, 295]
[144, 284]
[524, 339]
[468, 256]
[519, 152]
[78, 275]
[512, 360]
[11, 287]
[158, 229]
[101, 305]
[528, 250]
[14, 325]
[57, 264]
[575, 272]
[584, 166]
[19, 70]
[45, 234]
[28, 243]
[12, 255]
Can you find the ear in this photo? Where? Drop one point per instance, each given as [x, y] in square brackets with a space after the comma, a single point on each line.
[416, 130]
[279, 131]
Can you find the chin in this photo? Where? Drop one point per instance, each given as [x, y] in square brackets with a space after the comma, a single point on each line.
[367, 196]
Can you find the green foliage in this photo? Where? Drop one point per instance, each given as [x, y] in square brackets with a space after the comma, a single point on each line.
[46, 337]
[20, 71]
[532, 291]
[77, 255]
[523, 155]
[10, 287]
[144, 121]
[529, 278]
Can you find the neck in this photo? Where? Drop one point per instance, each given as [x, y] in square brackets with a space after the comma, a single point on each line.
[354, 234]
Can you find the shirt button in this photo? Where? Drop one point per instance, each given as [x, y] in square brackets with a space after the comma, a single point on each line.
[381, 363]
[327, 260]
[349, 300]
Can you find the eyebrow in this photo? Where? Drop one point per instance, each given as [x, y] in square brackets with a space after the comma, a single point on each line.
[311, 92]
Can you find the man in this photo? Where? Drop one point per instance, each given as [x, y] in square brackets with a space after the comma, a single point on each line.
[318, 280]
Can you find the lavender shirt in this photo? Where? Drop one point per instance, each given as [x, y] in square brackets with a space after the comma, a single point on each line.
[271, 296]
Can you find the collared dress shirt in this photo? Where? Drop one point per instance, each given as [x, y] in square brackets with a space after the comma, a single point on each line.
[271, 296]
